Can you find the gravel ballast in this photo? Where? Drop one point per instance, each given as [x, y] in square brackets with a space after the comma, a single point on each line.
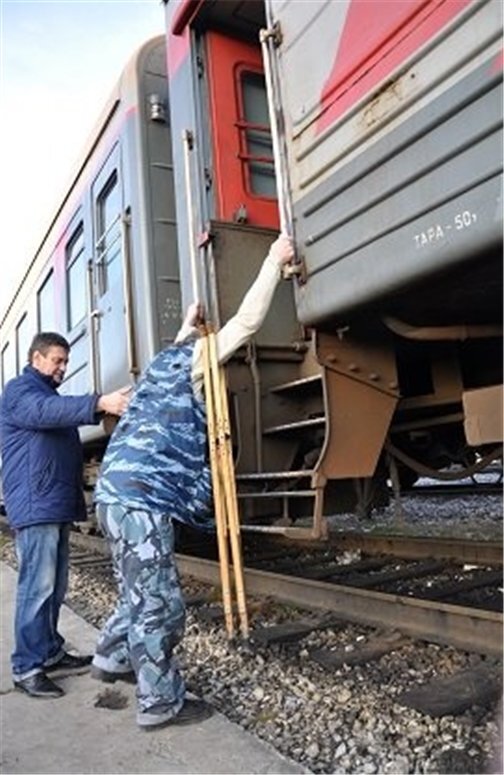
[345, 720]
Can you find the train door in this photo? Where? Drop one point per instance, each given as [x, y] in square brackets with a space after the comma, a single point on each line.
[109, 309]
[244, 175]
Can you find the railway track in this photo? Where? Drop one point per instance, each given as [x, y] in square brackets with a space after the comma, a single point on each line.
[446, 592]
[448, 490]
[486, 482]
[309, 670]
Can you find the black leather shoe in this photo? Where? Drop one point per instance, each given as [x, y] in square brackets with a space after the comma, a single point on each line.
[192, 712]
[69, 663]
[39, 685]
[110, 678]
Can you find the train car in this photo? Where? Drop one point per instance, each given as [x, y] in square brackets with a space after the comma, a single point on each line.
[106, 274]
[386, 134]
[394, 149]
[372, 132]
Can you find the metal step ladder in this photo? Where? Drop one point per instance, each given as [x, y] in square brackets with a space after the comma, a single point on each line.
[282, 492]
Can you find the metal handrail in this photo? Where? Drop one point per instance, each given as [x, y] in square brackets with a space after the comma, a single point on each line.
[128, 294]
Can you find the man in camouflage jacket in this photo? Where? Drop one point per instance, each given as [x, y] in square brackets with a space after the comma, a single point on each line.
[155, 471]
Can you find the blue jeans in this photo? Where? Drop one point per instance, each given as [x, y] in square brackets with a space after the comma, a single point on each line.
[42, 553]
[149, 616]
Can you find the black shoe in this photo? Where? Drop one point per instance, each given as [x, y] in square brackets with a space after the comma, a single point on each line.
[68, 664]
[39, 685]
[192, 712]
[110, 678]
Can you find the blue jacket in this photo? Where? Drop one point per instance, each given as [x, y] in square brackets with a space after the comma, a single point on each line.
[41, 450]
[156, 459]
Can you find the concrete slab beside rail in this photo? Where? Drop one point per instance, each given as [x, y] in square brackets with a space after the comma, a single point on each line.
[71, 735]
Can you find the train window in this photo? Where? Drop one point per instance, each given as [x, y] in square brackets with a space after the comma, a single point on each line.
[45, 305]
[77, 375]
[23, 340]
[75, 278]
[108, 244]
[8, 363]
[256, 145]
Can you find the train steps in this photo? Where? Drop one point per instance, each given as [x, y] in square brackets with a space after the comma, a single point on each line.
[297, 418]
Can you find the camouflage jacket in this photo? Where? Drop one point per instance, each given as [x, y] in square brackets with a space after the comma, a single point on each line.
[156, 458]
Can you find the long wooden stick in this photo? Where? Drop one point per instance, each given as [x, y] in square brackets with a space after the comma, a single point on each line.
[224, 483]
[218, 493]
[225, 457]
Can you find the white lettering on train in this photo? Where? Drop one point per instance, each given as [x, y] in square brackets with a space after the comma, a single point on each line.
[437, 232]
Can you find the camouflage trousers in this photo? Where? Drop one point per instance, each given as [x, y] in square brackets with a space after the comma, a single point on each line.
[149, 617]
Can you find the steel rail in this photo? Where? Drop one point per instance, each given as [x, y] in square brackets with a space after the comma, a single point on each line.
[420, 547]
[465, 628]
[407, 547]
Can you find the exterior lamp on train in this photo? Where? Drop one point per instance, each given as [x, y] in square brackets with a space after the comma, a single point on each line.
[157, 108]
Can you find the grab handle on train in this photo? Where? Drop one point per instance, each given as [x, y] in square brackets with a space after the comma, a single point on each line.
[188, 147]
[270, 38]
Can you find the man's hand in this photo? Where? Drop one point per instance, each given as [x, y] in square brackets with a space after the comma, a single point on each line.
[282, 250]
[116, 402]
[195, 315]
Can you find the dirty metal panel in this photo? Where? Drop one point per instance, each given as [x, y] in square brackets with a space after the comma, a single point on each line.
[483, 415]
[361, 393]
[368, 359]
[237, 255]
[359, 418]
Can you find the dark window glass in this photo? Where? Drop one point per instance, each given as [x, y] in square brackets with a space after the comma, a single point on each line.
[45, 305]
[257, 135]
[76, 279]
[108, 245]
[77, 376]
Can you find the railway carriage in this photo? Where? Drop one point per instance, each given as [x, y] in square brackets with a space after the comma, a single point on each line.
[106, 273]
[370, 130]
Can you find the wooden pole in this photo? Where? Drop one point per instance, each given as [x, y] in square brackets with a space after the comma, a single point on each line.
[218, 493]
[226, 465]
[224, 483]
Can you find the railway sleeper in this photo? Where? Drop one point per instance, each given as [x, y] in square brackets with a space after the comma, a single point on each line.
[370, 651]
[451, 696]
[290, 632]
[412, 571]
[488, 578]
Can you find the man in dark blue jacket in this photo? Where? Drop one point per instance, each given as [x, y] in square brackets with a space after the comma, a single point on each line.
[42, 489]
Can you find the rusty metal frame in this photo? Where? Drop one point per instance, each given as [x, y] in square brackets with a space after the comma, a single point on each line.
[360, 395]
